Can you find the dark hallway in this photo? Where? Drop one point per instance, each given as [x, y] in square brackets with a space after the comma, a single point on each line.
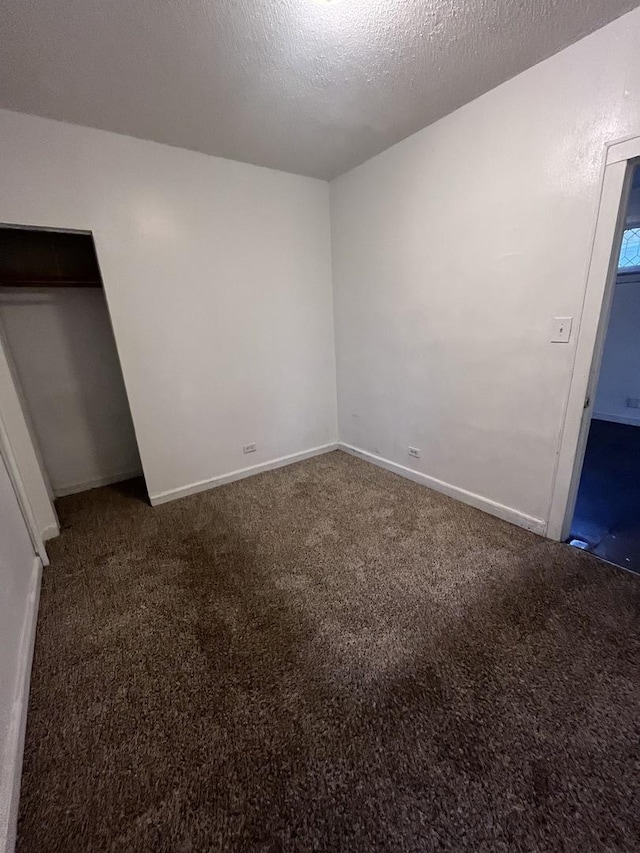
[607, 515]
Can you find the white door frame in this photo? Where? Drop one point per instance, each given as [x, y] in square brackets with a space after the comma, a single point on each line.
[6, 452]
[596, 308]
[21, 458]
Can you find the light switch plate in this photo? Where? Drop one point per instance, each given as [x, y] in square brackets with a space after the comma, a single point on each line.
[561, 332]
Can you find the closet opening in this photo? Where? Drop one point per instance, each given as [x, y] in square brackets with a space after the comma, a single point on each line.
[57, 337]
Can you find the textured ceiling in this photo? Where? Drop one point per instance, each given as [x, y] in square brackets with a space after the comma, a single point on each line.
[306, 86]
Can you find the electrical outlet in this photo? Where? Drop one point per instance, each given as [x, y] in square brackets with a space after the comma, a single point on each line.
[249, 448]
[414, 451]
[633, 402]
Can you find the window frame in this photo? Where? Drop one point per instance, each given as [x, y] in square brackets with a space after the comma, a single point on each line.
[631, 270]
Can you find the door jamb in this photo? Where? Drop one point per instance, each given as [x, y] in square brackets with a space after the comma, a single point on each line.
[13, 470]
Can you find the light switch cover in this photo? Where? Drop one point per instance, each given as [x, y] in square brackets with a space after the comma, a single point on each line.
[561, 333]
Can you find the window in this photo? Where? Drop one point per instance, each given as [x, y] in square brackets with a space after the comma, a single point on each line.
[629, 260]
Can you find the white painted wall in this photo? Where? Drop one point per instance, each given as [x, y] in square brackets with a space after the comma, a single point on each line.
[19, 575]
[218, 280]
[620, 368]
[453, 251]
[65, 358]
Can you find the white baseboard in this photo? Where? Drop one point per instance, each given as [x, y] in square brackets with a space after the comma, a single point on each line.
[12, 770]
[74, 488]
[203, 485]
[50, 533]
[506, 513]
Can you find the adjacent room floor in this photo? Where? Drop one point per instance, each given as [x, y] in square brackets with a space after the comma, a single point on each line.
[327, 657]
[607, 514]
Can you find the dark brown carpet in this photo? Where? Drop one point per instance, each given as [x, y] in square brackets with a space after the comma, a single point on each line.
[327, 658]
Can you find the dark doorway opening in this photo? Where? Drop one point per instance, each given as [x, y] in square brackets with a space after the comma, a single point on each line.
[607, 515]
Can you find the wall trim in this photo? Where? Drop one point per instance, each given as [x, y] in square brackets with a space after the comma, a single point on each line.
[49, 533]
[74, 488]
[506, 513]
[12, 770]
[240, 474]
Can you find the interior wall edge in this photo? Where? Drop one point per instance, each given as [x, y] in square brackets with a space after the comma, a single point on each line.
[506, 513]
[240, 474]
[12, 764]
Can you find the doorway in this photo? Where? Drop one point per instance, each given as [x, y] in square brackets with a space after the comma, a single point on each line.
[58, 341]
[606, 520]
